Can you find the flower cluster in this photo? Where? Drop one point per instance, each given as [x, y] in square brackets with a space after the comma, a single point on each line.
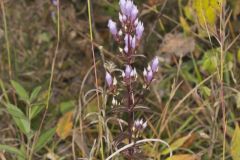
[131, 28]
[128, 36]
[151, 70]
[139, 125]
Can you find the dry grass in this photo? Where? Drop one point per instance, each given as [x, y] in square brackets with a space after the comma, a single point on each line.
[192, 103]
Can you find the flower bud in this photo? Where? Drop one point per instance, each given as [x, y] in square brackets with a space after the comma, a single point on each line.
[128, 8]
[55, 2]
[109, 79]
[139, 30]
[122, 4]
[134, 13]
[112, 27]
[133, 42]
[149, 76]
[154, 64]
[128, 71]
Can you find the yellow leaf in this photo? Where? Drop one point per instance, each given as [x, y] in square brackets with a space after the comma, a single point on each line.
[64, 126]
[183, 157]
[206, 11]
[185, 25]
[175, 145]
[235, 146]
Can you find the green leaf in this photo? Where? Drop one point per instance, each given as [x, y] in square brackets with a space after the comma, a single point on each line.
[210, 61]
[12, 150]
[67, 106]
[19, 118]
[205, 90]
[35, 93]
[175, 145]
[35, 110]
[23, 150]
[22, 93]
[45, 138]
[235, 145]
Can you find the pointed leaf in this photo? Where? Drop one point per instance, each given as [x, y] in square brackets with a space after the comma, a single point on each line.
[45, 138]
[35, 93]
[22, 93]
[12, 150]
[35, 110]
[19, 118]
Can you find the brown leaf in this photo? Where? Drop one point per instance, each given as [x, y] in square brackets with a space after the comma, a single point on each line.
[184, 157]
[177, 44]
[64, 126]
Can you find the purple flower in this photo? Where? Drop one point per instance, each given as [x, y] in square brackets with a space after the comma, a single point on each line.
[134, 13]
[55, 2]
[128, 71]
[139, 30]
[139, 125]
[112, 27]
[128, 8]
[154, 64]
[109, 79]
[127, 39]
[130, 41]
[148, 74]
[122, 4]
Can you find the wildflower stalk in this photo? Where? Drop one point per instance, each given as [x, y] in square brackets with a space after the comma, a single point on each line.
[129, 37]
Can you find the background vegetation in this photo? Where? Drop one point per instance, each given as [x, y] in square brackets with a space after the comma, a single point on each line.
[48, 105]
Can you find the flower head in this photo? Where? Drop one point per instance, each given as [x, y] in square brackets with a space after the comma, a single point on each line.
[139, 125]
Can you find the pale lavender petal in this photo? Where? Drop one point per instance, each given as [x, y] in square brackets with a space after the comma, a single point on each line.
[120, 18]
[154, 64]
[124, 18]
[139, 30]
[129, 6]
[135, 22]
[55, 2]
[108, 79]
[134, 13]
[128, 71]
[122, 4]
[126, 49]
[126, 38]
[112, 27]
[149, 76]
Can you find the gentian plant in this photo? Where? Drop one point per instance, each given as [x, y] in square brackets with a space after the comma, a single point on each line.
[128, 36]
